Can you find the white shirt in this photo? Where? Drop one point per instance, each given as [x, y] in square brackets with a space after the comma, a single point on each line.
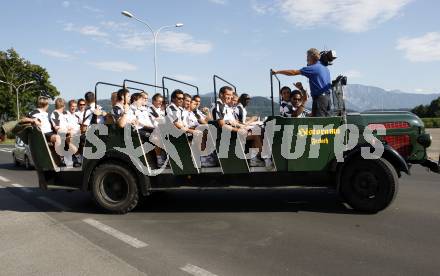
[222, 111]
[191, 120]
[72, 121]
[80, 115]
[89, 114]
[43, 117]
[285, 108]
[229, 114]
[240, 113]
[59, 119]
[156, 112]
[143, 117]
[118, 111]
[201, 114]
[174, 113]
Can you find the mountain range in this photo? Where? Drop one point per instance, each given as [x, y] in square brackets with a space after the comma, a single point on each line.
[357, 98]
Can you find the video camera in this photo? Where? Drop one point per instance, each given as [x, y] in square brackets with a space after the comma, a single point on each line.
[327, 57]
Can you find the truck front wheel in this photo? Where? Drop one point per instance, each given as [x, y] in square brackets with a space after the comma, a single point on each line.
[369, 185]
[114, 188]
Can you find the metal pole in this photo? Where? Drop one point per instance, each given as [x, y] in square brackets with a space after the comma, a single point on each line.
[155, 60]
[271, 92]
[18, 108]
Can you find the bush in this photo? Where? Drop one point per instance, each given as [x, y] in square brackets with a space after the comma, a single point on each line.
[431, 122]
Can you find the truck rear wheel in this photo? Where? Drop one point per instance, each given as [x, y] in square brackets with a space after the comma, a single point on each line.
[369, 185]
[114, 188]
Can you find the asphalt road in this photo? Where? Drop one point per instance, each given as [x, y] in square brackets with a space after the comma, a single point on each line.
[236, 232]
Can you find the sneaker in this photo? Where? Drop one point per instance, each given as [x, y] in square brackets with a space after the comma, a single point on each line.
[268, 164]
[68, 161]
[79, 158]
[161, 161]
[256, 162]
[208, 161]
[76, 163]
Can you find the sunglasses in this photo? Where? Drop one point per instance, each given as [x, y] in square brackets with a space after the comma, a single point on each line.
[82, 104]
[179, 98]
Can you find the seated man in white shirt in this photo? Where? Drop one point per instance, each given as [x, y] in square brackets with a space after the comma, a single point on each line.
[285, 105]
[144, 124]
[93, 113]
[121, 111]
[175, 111]
[40, 118]
[203, 113]
[156, 108]
[80, 112]
[224, 116]
[60, 124]
[75, 129]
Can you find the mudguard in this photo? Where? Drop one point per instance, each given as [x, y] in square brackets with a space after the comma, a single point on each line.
[390, 154]
[114, 155]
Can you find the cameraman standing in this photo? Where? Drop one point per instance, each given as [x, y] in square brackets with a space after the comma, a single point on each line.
[319, 81]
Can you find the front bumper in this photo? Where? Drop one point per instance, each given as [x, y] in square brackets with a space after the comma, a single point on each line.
[432, 165]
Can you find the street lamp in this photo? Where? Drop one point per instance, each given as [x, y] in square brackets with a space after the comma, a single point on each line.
[155, 36]
[17, 88]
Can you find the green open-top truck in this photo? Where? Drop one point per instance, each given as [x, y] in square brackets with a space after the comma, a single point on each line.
[369, 184]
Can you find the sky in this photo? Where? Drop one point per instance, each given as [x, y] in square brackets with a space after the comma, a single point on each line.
[392, 44]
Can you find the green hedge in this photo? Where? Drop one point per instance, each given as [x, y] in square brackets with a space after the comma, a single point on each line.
[431, 122]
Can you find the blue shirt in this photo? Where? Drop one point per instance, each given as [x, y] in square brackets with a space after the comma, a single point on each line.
[319, 79]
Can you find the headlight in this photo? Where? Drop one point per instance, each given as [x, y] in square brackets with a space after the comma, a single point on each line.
[425, 140]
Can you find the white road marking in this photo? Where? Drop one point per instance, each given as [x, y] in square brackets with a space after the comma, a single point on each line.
[197, 271]
[4, 179]
[26, 190]
[53, 203]
[6, 150]
[115, 233]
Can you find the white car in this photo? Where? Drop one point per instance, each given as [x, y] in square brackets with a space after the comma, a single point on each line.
[21, 154]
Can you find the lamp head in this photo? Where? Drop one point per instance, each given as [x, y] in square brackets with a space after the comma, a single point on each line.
[128, 14]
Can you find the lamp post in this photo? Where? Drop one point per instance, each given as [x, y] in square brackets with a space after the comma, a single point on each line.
[155, 36]
[17, 88]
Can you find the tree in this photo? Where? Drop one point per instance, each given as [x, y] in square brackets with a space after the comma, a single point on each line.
[17, 70]
[428, 111]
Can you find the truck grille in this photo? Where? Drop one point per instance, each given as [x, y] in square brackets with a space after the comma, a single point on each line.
[390, 125]
[401, 143]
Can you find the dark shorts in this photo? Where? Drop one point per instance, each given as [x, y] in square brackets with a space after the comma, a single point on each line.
[48, 135]
[321, 106]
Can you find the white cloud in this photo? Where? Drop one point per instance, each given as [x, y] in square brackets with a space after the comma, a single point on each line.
[219, 2]
[89, 30]
[183, 43]
[65, 4]
[55, 54]
[123, 36]
[353, 74]
[421, 49]
[114, 66]
[175, 42]
[263, 8]
[347, 15]
[117, 26]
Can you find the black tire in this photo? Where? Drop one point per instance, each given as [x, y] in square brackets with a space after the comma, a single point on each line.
[369, 186]
[114, 188]
[16, 163]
